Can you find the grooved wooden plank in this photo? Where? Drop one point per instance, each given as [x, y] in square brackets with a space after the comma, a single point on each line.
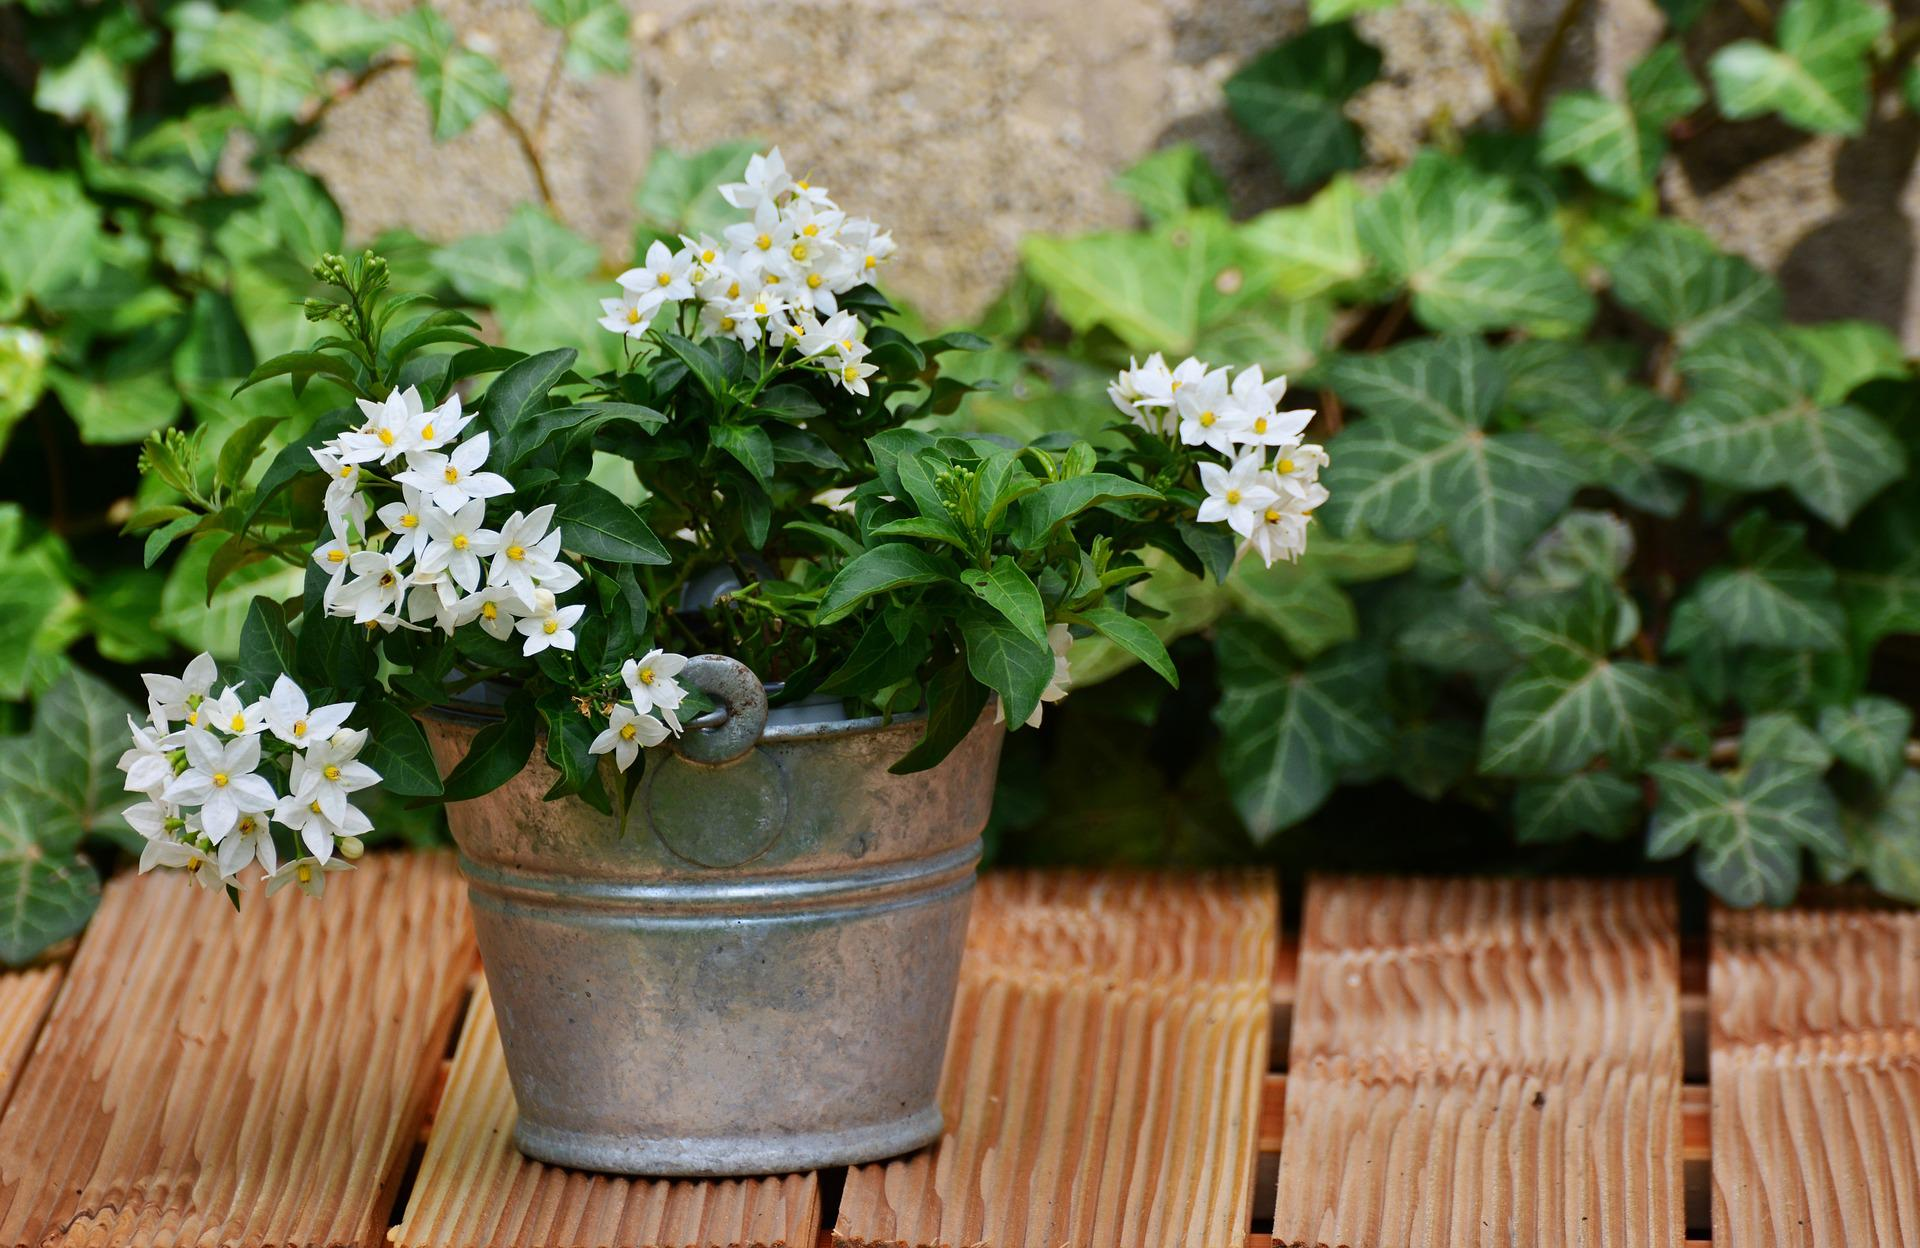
[1480, 1062]
[1104, 1072]
[475, 1190]
[1815, 1052]
[24, 999]
[218, 1078]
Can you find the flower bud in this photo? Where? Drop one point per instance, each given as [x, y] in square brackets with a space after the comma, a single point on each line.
[350, 847]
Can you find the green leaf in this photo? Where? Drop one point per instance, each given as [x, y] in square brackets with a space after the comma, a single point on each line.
[116, 409]
[570, 737]
[1880, 576]
[1779, 736]
[1421, 459]
[1850, 354]
[1036, 514]
[1292, 97]
[1752, 422]
[458, 84]
[1776, 594]
[513, 403]
[1011, 592]
[1314, 248]
[1156, 290]
[1603, 139]
[1661, 89]
[1817, 79]
[1587, 803]
[216, 346]
[65, 770]
[680, 194]
[954, 702]
[1610, 446]
[596, 33]
[532, 248]
[881, 570]
[1172, 181]
[750, 445]
[1135, 638]
[879, 660]
[699, 361]
[1749, 829]
[1673, 275]
[596, 525]
[43, 899]
[266, 646]
[398, 750]
[499, 752]
[1889, 834]
[1871, 734]
[1007, 661]
[1288, 731]
[1299, 601]
[1475, 252]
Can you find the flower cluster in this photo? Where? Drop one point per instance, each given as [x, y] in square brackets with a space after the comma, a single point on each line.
[207, 766]
[773, 280]
[431, 553]
[631, 725]
[1266, 501]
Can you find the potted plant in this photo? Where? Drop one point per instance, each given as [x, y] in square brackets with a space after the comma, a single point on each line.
[720, 899]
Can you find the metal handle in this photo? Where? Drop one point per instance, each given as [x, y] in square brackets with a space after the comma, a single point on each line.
[731, 729]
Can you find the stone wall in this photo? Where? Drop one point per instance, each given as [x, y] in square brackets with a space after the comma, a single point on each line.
[968, 123]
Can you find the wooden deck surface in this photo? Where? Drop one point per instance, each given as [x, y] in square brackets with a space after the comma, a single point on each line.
[1137, 1060]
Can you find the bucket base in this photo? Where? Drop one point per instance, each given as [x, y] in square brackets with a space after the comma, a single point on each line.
[728, 1156]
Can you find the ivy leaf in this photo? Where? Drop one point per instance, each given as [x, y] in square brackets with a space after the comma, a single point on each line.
[1752, 422]
[1817, 78]
[1006, 660]
[1422, 458]
[1475, 253]
[1603, 139]
[1314, 248]
[1610, 446]
[1572, 703]
[43, 898]
[881, 570]
[596, 524]
[1661, 89]
[1776, 594]
[65, 770]
[1155, 290]
[680, 194]
[1590, 803]
[1291, 98]
[457, 83]
[1749, 829]
[1299, 601]
[1850, 354]
[1779, 736]
[531, 247]
[1870, 733]
[1171, 182]
[1673, 275]
[1289, 731]
[596, 33]
[1880, 576]
[1888, 836]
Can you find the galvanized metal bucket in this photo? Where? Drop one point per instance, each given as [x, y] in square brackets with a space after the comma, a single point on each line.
[757, 975]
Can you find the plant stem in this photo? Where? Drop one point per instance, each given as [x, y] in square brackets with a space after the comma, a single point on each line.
[1506, 92]
[1757, 11]
[546, 88]
[530, 151]
[1550, 55]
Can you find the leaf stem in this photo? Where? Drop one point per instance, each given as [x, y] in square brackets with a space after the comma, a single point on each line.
[1506, 92]
[1550, 57]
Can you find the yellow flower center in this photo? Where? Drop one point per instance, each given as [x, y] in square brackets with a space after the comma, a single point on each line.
[1177, 383]
[1259, 424]
[646, 675]
[193, 717]
[798, 251]
[550, 627]
[726, 324]
[846, 345]
[763, 242]
[804, 185]
[633, 316]
[219, 779]
[851, 373]
[1285, 465]
[299, 727]
[813, 281]
[426, 431]
[386, 437]
[386, 580]
[409, 521]
[733, 290]
[706, 256]
[516, 553]
[1233, 497]
[665, 279]
[490, 611]
[336, 555]
[330, 771]
[1206, 420]
[346, 471]
[459, 541]
[246, 827]
[314, 805]
[760, 307]
[238, 723]
[810, 229]
[629, 732]
[871, 263]
[304, 875]
[451, 475]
